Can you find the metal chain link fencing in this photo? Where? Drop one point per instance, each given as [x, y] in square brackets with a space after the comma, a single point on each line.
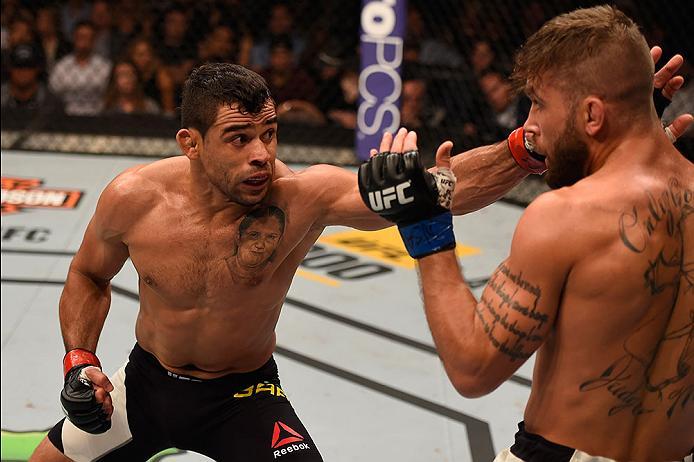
[100, 58]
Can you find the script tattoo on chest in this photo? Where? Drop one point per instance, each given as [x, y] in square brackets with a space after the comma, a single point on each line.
[256, 242]
[513, 296]
[634, 378]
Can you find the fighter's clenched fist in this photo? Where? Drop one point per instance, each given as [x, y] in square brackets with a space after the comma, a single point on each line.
[401, 190]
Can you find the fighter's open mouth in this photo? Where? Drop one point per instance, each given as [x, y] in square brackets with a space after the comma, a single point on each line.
[257, 180]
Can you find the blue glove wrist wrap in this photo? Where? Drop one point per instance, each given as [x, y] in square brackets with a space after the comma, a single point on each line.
[429, 236]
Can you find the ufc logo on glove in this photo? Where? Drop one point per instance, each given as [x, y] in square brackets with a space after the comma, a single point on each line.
[399, 189]
[380, 200]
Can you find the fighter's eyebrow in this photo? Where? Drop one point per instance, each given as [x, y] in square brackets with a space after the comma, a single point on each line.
[532, 94]
[237, 127]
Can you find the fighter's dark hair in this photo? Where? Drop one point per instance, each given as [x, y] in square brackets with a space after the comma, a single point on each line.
[215, 84]
[259, 213]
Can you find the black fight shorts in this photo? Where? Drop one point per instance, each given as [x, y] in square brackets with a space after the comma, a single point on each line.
[237, 417]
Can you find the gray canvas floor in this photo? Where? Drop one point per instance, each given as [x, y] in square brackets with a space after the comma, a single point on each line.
[355, 355]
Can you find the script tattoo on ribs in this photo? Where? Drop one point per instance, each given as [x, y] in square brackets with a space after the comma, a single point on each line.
[513, 295]
[669, 277]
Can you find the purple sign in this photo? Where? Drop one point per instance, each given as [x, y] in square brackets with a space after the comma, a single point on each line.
[382, 38]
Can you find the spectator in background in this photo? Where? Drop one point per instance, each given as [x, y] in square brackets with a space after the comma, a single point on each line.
[102, 18]
[220, 13]
[416, 111]
[20, 32]
[424, 48]
[80, 78]
[285, 79]
[344, 111]
[291, 87]
[280, 24]
[24, 90]
[157, 83]
[508, 109]
[327, 70]
[126, 24]
[177, 54]
[50, 36]
[482, 56]
[71, 13]
[125, 95]
[219, 45]
[10, 10]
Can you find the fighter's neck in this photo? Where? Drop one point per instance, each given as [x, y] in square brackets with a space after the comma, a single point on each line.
[635, 145]
[211, 201]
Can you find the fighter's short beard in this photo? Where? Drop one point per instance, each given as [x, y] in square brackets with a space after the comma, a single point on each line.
[568, 163]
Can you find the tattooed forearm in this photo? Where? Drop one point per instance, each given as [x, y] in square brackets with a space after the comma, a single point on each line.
[511, 293]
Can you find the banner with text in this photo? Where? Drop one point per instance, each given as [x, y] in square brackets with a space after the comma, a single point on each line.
[382, 34]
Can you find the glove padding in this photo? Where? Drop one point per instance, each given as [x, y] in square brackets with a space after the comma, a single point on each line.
[78, 398]
[524, 153]
[398, 188]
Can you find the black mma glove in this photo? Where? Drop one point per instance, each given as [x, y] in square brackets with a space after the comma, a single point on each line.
[398, 188]
[77, 397]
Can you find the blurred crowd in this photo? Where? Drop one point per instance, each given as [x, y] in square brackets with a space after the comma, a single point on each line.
[125, 56]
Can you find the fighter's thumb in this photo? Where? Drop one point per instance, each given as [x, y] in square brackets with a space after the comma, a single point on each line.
[443, 155]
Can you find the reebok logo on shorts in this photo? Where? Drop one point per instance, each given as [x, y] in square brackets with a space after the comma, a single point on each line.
[284, 435]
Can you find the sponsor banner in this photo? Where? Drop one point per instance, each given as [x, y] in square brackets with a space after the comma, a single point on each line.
[25, 193]
[382, 37]
[384, 245]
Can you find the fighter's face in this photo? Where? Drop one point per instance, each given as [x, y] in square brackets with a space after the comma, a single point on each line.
[258, 242]
[239, 153]
[551, 128]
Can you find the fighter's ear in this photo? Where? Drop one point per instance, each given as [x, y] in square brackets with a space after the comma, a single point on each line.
[190, 142]
[593, 115]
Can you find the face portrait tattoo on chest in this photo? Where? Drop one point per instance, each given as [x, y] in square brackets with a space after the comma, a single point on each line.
[256, 242]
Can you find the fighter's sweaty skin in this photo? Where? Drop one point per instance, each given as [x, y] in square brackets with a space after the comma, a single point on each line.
[199, 305]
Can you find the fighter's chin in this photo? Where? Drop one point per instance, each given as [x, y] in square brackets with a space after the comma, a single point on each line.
[250, 199]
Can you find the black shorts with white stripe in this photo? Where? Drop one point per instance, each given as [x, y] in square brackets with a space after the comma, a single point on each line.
[239, 417]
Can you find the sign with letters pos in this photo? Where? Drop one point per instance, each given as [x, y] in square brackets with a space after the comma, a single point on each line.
[382, 38]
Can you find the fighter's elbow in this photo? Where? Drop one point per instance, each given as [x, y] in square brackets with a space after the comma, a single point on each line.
[473, 386]
[473, 379]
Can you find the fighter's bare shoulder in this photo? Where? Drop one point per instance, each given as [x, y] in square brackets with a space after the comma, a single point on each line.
[549, 223]
[138, 189]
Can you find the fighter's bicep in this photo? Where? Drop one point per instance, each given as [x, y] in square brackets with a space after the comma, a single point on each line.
[103, 251]
[99, 256]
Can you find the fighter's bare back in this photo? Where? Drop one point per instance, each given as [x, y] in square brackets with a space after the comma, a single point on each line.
[615, 375]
